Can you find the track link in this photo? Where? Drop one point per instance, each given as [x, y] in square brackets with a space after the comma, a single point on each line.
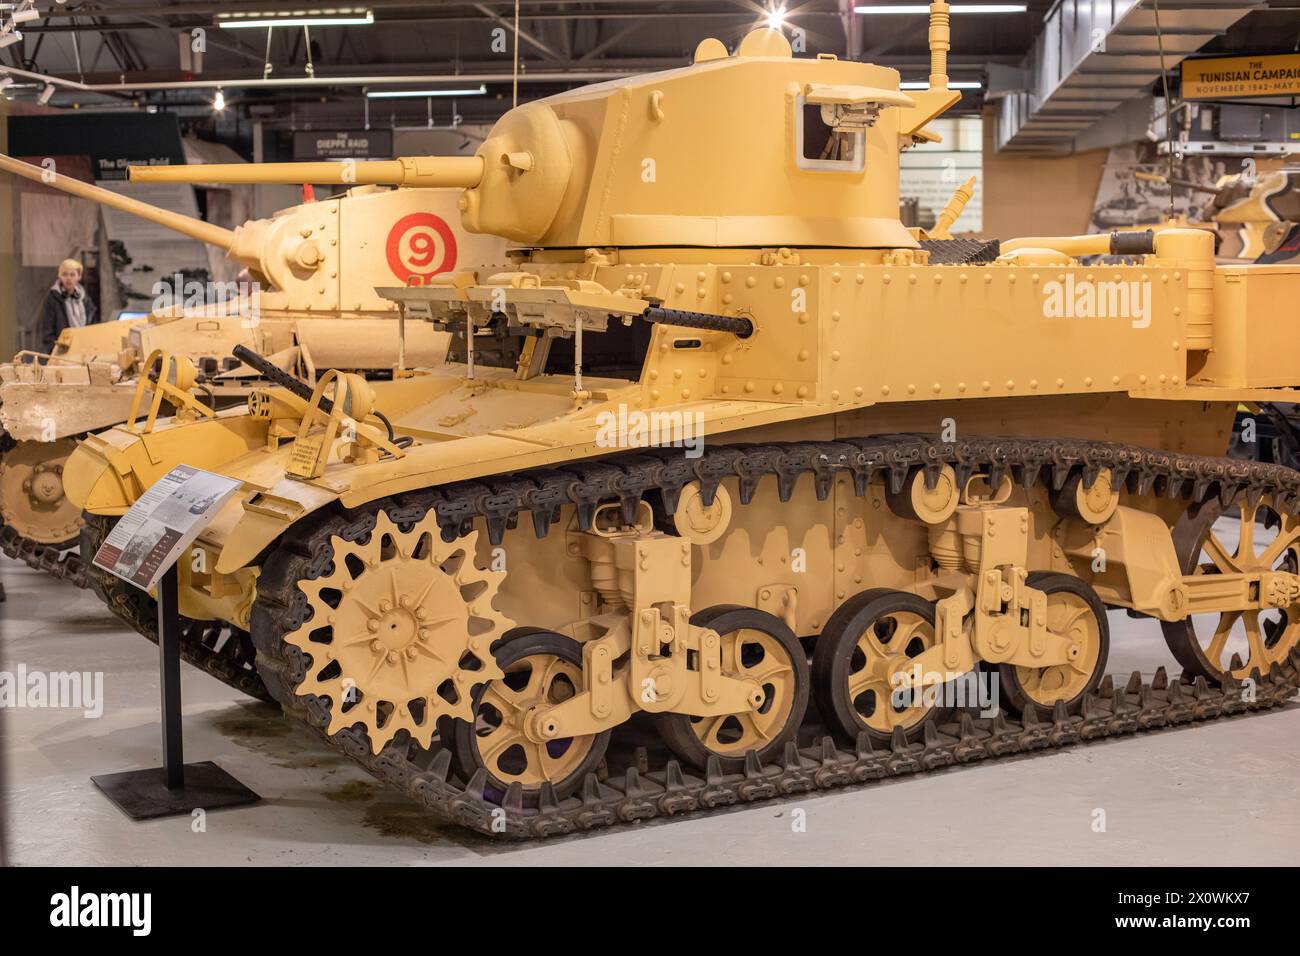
[637, 783]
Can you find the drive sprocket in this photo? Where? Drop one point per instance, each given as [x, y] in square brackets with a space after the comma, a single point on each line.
[399, 631]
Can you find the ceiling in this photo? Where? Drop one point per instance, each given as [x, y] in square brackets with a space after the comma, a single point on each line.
[445, 42]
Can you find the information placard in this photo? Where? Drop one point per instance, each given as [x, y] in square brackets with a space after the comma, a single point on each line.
[166, 519]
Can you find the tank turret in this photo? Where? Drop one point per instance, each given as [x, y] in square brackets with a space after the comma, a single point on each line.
[751, 149]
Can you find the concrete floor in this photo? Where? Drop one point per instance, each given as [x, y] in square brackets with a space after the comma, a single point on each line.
[1220, 794]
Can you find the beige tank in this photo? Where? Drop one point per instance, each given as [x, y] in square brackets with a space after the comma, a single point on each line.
[1250, 217]
[319, 260]
[723, 411]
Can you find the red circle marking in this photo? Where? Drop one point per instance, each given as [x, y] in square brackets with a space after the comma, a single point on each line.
[416, 265]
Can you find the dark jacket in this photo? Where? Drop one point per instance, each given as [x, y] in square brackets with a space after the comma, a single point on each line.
[54, 315]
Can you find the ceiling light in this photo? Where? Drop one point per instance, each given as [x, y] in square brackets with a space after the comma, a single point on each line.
[9, 39]
[219, 103]
[26, 15]
[957, 85]
[404, 94]
[46, 94]
[776, 19]
[332, 18]
[902, 9]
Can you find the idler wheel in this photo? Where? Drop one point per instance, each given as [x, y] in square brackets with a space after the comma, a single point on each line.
[1268, 539]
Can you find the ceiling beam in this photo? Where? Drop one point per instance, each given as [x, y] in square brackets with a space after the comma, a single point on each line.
[543, 48]
[914, 30]
[490, 71]
[574, 16]
[617, 36]
[828, 7]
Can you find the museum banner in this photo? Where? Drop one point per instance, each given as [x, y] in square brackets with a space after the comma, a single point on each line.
[1236, 76]
[346, 144]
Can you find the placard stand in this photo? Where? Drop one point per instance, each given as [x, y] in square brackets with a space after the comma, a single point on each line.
[176, 787]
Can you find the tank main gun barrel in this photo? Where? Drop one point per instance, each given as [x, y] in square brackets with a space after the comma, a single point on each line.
[428, 171]
[1185, 183]
[186, 225]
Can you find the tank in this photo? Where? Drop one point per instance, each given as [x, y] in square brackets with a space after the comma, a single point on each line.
[1255, 218]
[734, 487]
[306, 299]
[1252, 218]
[319, 260]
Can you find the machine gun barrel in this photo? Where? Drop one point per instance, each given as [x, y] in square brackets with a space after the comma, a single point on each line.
[428, 171]
[737, 325]
[280, 377]
[186, 225]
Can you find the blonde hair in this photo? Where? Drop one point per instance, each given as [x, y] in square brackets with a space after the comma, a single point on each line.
[67, 264]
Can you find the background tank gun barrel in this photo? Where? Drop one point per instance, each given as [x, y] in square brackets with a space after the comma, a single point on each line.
[186, 225]
[304, 263]
[1185, 183]
[428, 171]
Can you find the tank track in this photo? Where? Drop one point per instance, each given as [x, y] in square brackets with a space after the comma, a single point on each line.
[214, 647]
[65, 564]
[639, 782]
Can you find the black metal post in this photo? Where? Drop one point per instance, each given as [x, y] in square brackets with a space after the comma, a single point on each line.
[173, 788]
[169, 652]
